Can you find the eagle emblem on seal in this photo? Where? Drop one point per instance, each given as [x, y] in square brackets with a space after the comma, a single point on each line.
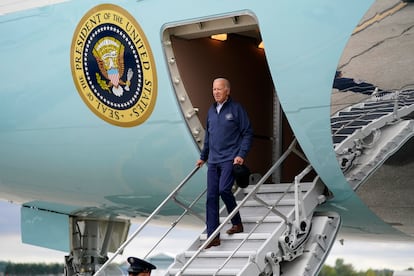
[109, 55]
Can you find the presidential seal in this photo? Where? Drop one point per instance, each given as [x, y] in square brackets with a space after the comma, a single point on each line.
[113, 67]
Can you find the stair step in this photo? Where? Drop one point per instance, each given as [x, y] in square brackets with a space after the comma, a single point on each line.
[206, 272]
[267, 226]
[276, 196]
[215, 259]
[259, 211]
[239, 236]
[283, 202]
[255, 219]
[220, 254]
[278, 188]
[230, 245]
[248, 260]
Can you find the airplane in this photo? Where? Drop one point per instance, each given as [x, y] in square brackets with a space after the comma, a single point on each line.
[104, 126]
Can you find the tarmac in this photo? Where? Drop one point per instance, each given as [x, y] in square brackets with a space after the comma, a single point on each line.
[381, 50]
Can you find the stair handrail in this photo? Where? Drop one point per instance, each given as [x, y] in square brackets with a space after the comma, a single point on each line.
[150, 217]
[300, 214]
[276, 165]
[174, 223]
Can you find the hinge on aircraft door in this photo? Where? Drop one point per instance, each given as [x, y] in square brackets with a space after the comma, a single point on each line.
[293, 240]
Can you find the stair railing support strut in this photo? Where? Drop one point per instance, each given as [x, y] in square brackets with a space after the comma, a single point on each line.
[150, 217]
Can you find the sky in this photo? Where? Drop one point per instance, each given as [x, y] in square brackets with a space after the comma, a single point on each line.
[362, 255]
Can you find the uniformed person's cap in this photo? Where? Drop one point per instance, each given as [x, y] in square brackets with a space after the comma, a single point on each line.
[138, 265]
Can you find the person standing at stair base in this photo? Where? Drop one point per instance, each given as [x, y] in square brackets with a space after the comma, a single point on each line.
[228, 139]
[139, 267]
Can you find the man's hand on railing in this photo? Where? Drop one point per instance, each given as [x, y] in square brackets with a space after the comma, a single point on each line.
[200, 163]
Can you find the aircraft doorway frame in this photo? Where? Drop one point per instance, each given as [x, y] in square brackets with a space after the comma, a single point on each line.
[194, 59]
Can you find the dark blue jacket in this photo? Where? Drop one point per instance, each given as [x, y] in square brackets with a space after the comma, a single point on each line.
[228, 134]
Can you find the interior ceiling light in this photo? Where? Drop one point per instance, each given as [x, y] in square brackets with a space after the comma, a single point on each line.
[261, 45]
[221, 37]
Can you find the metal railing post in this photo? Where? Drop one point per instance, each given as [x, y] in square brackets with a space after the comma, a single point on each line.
[150, 217]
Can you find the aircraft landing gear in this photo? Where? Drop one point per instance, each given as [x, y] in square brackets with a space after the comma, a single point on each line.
[91, 240]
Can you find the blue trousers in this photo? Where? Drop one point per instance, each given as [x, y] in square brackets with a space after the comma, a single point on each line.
[220, 181]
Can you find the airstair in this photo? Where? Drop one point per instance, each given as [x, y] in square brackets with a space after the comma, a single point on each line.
[279, 235]
[282, 233]
[367, 133]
